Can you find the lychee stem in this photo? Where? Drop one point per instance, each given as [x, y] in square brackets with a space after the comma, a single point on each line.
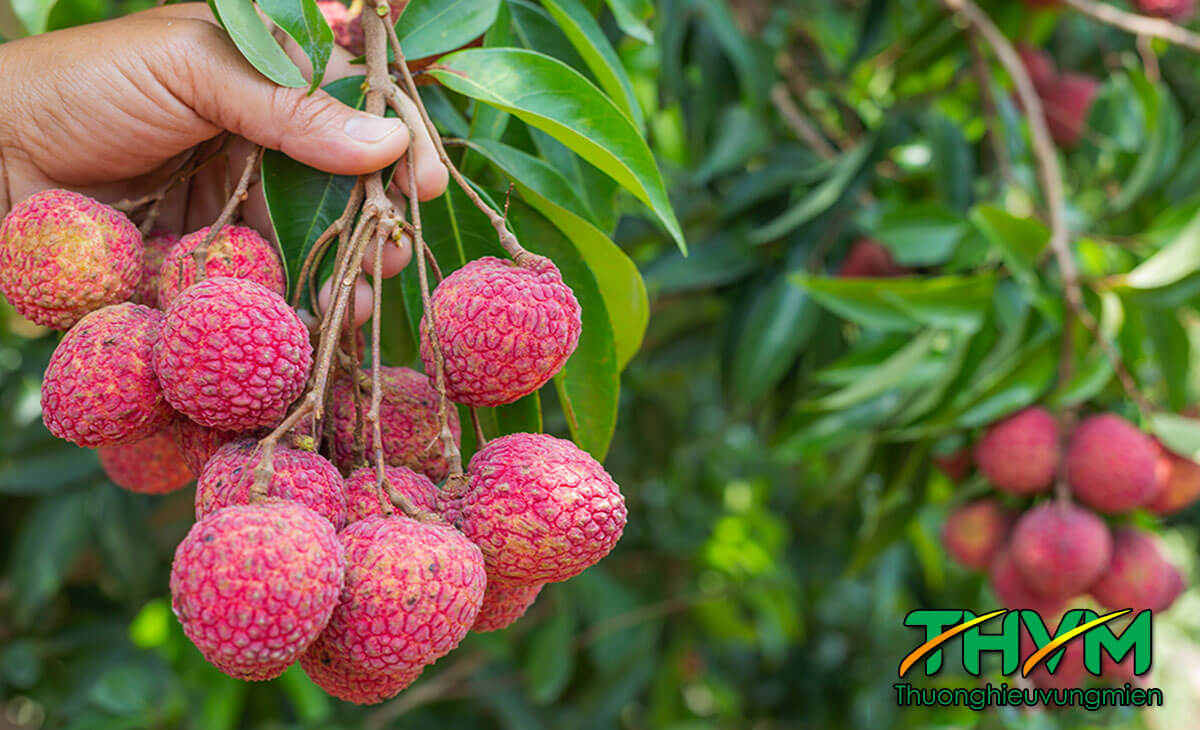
[200, 253]
[480, 439]
[1137, 24]
[376, 390]
[308, 272]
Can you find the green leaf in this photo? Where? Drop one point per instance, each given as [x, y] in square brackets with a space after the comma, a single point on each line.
[1020, 241]
[432, 27]
[953, 161]
[630, 14]
[1178, 433]
[304, 23]
[1161, 137]
[1173, 354]
[921, 234]
[889, 374]
[488, 122]
[551, 659]
[1020, 388]
[903, 304]
[1172, 263]
[49, 540]
[780, 322]
[33, 14]
[743, 135]
[620, 283]
[822, 198]
[549, 95]
[588, 38]
[252, 37]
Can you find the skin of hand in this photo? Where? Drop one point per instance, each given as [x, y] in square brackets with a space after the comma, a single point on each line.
[111, 109]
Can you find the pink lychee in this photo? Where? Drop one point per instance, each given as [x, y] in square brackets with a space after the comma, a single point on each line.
[100, 388]
[1060, 549]
[955, 466]
[233, 355]
[1111, 465]
[1020, 454]
[1014, 594]
[237, 252]
[1138, 575]
[1039, 66]
[337, 676]
[1067, 103]
[1178, 483]
[63, 255]
[300, 476]
[254, 585]
[362, 498]
[541, 509]
[504, 604]
[869, 259]
[974, 532]
[505, 329]
[1176, 10]
[1173, 588]
[150, 466]
[157, 245]
[412, 592]
[198, 443]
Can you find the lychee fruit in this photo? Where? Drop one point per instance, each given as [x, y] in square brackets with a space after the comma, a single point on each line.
[334, 674]
[1067, 103]
[503, 604]
[1060, 549]
[300, 476]
[343, 25]
[1175, 10]
[237, 252]
[505, 329]
[1138, 575]
[408, 422]
[1020, 454]
[362, 498]
[1173, 588]
[1111, 465]
[1014, 594]
[955, 466]
[870, 259]
[100, 388]
[233, 355]
[1068, 673]
[156, 247]
[150, 466]
[412, 592]
[63, 255]
[974, 532]
[1039, 66]
[198, 443]
[541, 509]
[253, 586]
[1178, 483]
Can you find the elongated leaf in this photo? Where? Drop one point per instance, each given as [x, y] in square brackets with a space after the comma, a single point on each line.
[920, 235]
[781, 320]
[46, 546]
[1178, 433]
[630, 15]
[432, 27]
[1020, 241]
[889, 374]
[822, 198]
[1161, 140]
[551, 658]
[1174, 262]
[551, 96]
[953, 302]
[588, 38]
[302, 20]
[488, 122]
[250, 34]
[32, 14]
[1024, 386]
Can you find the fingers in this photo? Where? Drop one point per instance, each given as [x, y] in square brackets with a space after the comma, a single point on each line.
[362, 300]
[395, 257]
[432, 176]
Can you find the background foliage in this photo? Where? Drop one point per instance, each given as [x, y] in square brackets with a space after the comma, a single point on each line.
[774, 436]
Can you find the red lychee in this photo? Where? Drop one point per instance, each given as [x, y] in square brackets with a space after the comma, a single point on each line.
[541, 509]
[237, 252]
[198, 443]
[1173, 588]
[1176, 10]
[1111, 465]
[343, 25]
[1020, 454]
[1039, 66]
[63, 255]
[1067, 103]
[974, 532]
[100, 388]
[233, 355]
[408, 422]
[412, 592]
[150, 466]
[503, 604]
[505, 329]
[870, 259]
[1013, 594]
[340, 678]
[362, 499]
[300, 476]
[1138, 575]
[254, 585]
[956, 466]
[157, 246]
[1060, 549]
[1178, 483]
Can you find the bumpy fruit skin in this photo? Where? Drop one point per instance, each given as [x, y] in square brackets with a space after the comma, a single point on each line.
[338, 676]
[100, 388]
[505, 329]
[412, 592]
[870, 259]
[503, 604]
[253, 586]
[233, 355]
[1176, 10]
[407, 423]
[1138, 575]
[362, 499]
[975, 532]
[150, 466]
[198, 443]
[541, 509]
[1111, 465]
[1014, 594]
[156, 247]
[63, 255]
[1020, 454]
[237, 252]
[1067, 103]
[1060, 549]
[1178, 483]
[300, 476]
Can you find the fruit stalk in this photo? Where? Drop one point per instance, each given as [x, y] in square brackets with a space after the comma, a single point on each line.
[1137, 24]
[200, 253]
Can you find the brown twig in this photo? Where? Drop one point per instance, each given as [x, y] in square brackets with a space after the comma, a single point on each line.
[984, 78]
[321, 245]
[1137, 24]
[798, 122]
[200, 253]
[480, 439]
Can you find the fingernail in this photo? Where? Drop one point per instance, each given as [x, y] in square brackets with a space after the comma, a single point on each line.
[371, 129]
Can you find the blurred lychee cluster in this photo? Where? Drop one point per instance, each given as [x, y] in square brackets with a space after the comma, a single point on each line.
[1060, 529]
[179, 358]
